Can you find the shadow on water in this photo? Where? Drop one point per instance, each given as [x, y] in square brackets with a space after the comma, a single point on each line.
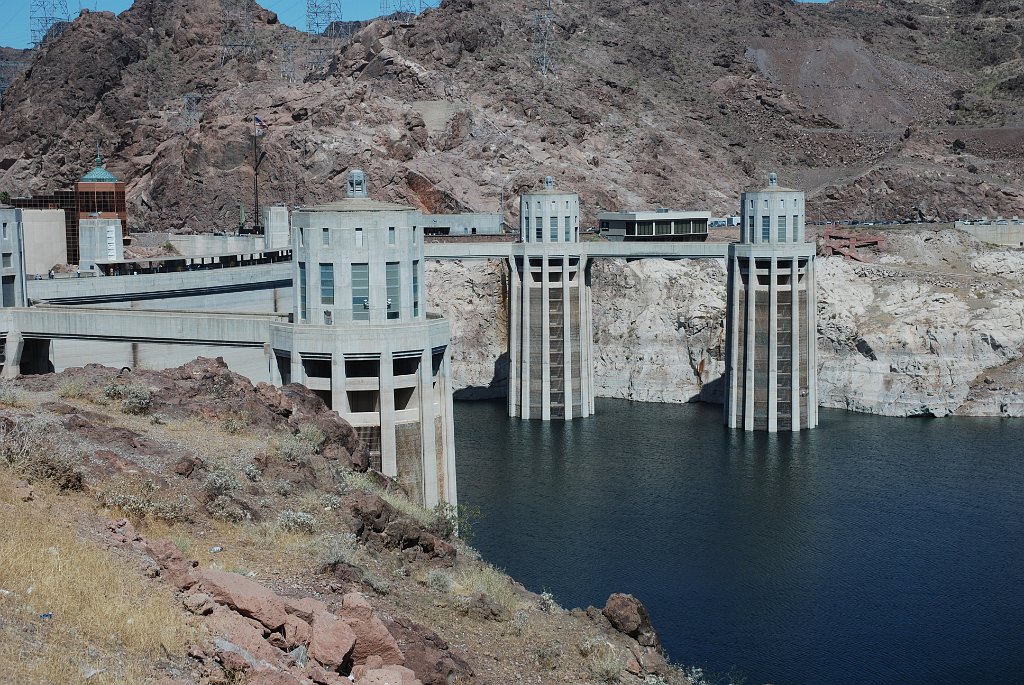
[868, 550]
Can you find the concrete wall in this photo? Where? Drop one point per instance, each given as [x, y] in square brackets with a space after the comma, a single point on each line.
[11, 280]
[45, 240]
[462, 224]
[1011, 233]
[206, 245]
[99, 239]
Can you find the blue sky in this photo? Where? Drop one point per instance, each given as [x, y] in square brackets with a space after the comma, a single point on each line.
[15, 32]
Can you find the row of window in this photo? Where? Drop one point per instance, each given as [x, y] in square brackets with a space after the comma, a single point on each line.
[782, 203]
[766, 228]
[361, 289]
[325, 236]
[538, 224]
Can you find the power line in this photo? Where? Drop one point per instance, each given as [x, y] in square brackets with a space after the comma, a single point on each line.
[190, 112]
[238, 38]
[542, 37]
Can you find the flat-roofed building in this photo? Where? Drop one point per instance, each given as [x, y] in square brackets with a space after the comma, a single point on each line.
[661, 224]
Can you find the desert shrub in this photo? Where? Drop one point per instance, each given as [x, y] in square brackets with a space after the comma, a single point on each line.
[232, 424]
[439, 581]
[72, 389]
[520, 622]
[252, 473]
[298, 448]
[332, 549]
[296, 522]
[450, 520]
[329, 502]
[284, 487]
[223, 507]
[377, 583]
[588, 645]
[547, 602]
[145, 500]
[135, 399]
[492, 583]
[605, 664]
[549, 657]
[10, 395]
[38, 449]
[220, 481]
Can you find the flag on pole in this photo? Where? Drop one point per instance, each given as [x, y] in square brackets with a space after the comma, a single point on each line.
[260, 125]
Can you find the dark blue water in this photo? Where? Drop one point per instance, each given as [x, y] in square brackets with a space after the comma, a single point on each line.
[869, 550]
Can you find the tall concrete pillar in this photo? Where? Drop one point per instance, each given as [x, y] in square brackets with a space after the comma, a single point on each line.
[771, 328]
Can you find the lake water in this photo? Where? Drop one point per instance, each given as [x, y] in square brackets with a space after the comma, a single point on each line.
[869, 550]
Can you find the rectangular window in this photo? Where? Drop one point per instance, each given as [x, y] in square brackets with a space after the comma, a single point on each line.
[539, 230]
[327, 236]
[5, 230]
[796, 223]
[415, 288]
[782, 203]
[359, 237]
[766, 228]
[7, 260]
[391, 235]
[394, 282]
[360, 292]
[326, 283]
[302, 237]
[526, 224]
[782, 228]
[662, 228]
[751, 205]
[303, 303]
[766, 204]
[568, 228]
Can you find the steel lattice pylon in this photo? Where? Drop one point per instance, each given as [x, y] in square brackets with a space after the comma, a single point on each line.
[323, 24]
[43, 15]
[238, 38]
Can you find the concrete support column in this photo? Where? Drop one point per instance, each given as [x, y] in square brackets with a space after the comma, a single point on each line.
[524, 339]
[748, 395]
[545, 339]
[428, 411]
[798, 317]
[339, 383]
[273, 374]
[587, 315]
[733, 314]
[451, 494]
[773, 345]
[388, 448]
[515, 326]
[568, 336]
[812, 344]
[14, 349]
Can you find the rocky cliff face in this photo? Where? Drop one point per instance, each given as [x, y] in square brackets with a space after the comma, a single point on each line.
[934, 327]
[879, 110]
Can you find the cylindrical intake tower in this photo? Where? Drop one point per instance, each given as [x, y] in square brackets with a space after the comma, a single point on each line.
[550, 371]
[771, 326]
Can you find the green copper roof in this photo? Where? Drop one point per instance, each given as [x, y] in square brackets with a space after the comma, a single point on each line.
[99, 174]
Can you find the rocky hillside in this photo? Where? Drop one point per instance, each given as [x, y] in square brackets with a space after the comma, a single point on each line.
[932, 326]
[186, 527]
[893, 109]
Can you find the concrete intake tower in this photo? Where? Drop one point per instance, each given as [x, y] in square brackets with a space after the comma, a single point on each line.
[550, 370]
[771, 325]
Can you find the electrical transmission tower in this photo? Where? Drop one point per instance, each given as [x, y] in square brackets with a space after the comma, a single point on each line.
[238, 38]
[542, 36]
[43, 15]
[404, 10]
[190, 112]
[323, 24]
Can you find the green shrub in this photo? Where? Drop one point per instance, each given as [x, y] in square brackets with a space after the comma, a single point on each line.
[135, 399]
[298, 448]
[144, 500]
[332, 549]
[226, 509]
[296, 522]
[11, 396]
[378, 584]
[439, 581]
[220, 481]
[72, 389]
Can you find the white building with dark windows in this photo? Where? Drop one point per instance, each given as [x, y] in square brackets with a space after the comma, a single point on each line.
[660, 225]
[361, 337]
[771, 324]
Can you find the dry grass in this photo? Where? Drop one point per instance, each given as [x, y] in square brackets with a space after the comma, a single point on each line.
[422, 516]
[491, 582]
[106, 617]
